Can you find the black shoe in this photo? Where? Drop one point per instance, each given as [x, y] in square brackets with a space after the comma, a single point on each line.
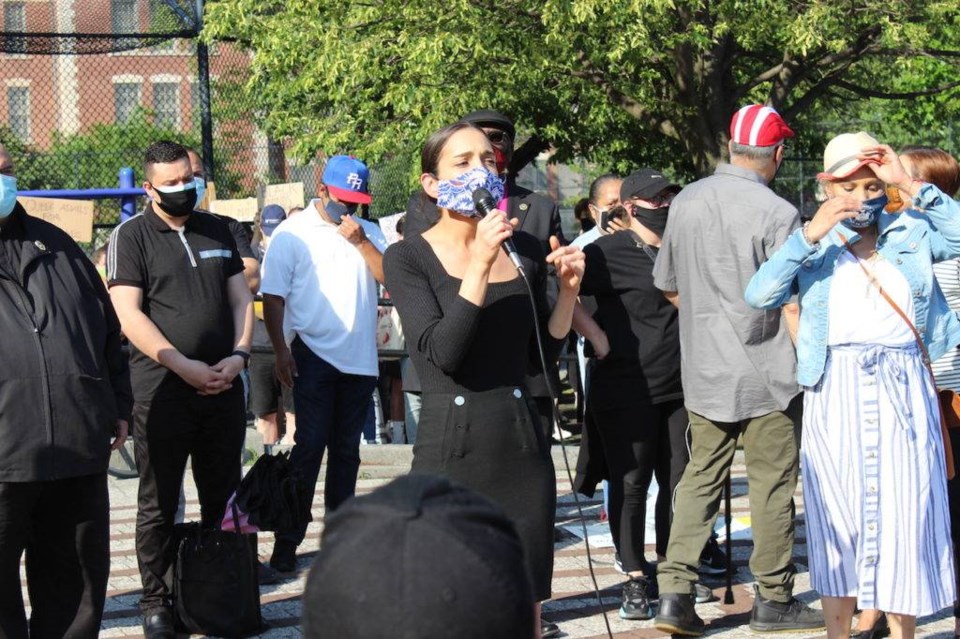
[548, 629]
[637, 600]
[793, 616]
[284, 557]
[880, 629]
[713, 561]
[677, 616]
[266, 575]
[158, 624]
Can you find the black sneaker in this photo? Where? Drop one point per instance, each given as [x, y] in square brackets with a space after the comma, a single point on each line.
[637, 600]
[793, 616]
[548, 629]
[713, 561]
[677, 616]
[266, 575]
[284, 557]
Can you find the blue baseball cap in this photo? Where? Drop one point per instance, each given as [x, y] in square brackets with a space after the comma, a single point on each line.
[346, 178]
[270, 218]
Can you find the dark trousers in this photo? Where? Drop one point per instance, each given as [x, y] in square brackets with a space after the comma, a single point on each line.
[64, 527]
[174, 425]
[331, 407]
[637, 440]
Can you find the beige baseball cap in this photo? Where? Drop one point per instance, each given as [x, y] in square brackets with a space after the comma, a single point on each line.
[841, 158]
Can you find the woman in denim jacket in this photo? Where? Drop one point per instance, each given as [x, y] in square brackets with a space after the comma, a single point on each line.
[873, 465]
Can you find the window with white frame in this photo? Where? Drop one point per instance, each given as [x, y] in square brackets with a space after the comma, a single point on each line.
[123, 16]
[18, 111]
[166, 104]
[15, 19]
[126, 99]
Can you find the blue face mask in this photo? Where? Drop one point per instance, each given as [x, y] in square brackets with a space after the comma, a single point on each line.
[336, 210]
[457, 194]
[870, 211]
[8, 195]
[201, 188]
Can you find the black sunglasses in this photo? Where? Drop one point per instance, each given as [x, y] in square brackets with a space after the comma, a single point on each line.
[497, 136]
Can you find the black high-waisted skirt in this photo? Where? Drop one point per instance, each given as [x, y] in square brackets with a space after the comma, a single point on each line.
[491, 442]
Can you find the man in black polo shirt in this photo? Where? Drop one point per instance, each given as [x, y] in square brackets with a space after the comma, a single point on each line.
[176, 281]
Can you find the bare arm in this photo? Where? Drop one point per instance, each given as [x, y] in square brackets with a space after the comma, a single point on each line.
[791, 316]
[673, 297]
[144, 334]
[274, 307]
[373, 257]
[586, 326]
[568, 262]
[251, 273]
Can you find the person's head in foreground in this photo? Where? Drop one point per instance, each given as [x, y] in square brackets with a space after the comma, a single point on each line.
[419, 558]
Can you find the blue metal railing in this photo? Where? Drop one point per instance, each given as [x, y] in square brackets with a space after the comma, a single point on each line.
[127, 193]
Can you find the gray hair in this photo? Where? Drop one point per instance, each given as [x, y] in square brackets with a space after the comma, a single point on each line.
[755, 153]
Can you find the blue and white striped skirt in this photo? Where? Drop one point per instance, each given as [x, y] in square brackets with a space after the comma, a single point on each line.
[874, 482]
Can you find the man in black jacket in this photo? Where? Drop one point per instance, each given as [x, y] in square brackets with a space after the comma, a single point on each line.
[64, 391]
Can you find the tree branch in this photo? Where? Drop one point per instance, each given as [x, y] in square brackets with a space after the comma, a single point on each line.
[891, 95]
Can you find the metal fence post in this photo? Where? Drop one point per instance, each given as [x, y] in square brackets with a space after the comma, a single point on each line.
[128, 203]
[206, 116]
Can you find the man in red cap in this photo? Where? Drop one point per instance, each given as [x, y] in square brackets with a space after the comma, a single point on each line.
[738, 373]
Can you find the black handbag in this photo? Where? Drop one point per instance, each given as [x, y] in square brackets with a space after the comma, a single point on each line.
[216, 581]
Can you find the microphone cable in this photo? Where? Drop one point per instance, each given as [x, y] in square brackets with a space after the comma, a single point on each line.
[563, 447]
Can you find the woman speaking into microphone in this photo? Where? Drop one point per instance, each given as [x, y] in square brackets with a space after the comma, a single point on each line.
[469, 325]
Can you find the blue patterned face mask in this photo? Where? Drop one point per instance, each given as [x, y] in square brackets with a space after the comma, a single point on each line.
[8, 195]
[870, 211]
[457, 194]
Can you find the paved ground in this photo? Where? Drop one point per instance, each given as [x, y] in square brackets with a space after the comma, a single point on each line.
[574, 606]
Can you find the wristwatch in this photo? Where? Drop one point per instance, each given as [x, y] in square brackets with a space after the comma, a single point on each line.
[243, 355]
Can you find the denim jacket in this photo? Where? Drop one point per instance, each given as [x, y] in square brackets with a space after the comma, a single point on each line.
[912, 240]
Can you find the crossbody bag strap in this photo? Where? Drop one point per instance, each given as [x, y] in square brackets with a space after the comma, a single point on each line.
[873, 280]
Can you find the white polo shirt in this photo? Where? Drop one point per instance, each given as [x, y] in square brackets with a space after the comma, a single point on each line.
[329, 292]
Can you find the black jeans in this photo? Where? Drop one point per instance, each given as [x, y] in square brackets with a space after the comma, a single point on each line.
[637, 440]
[174, 425]
[64, 527]
[331, 407]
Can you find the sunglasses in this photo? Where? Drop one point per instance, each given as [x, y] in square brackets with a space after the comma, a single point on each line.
[497, 136]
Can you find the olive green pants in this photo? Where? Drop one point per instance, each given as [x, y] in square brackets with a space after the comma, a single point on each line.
[770, 448]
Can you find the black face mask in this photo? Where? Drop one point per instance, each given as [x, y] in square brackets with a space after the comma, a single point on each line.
[654, 219]
[336, 210]
[178, 203]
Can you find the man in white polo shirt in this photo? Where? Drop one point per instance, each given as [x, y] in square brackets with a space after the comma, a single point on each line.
[320, 307]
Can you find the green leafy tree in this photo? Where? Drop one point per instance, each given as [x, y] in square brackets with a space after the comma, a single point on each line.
[618, 82]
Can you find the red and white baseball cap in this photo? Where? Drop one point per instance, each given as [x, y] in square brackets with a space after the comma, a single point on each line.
[758, 125]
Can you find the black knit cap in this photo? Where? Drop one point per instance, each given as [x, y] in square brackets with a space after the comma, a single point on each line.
[419, 558]
[490, 118]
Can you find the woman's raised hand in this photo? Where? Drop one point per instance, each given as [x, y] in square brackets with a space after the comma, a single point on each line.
[492, 230]
[834, 210]
[886, 165]
[569, 263]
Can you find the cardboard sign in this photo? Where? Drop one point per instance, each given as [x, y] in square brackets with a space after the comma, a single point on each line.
[286, 195]
[241, 210]
[73, 216]
[208, 196]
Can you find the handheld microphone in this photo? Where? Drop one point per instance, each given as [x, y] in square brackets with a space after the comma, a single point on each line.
[485, 205]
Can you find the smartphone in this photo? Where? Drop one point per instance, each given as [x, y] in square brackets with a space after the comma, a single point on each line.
[617, 213]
